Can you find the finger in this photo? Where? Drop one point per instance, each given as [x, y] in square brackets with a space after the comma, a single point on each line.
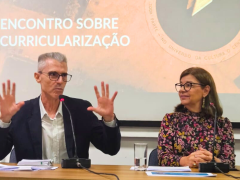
[201, 149]
[3, 89]
[91, 108]
[203, 153]
[114, 96]
[196, 153]
[8, 87]
[193, 164]
[194, 156]
[107, 91]
[199, 160]
[103, 89]
[96, 92]
[13, 89]
[19, 105]
[1, 99]
[207, 153]
[204, 157]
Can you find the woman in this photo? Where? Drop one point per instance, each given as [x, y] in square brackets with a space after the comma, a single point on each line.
[186, 136]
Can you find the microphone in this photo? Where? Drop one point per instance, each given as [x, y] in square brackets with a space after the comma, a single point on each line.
[214, 166]
[73, 162]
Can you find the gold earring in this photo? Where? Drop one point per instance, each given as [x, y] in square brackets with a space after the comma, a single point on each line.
[203, 102]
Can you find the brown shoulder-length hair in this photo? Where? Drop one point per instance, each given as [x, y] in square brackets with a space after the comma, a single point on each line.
[204, 78]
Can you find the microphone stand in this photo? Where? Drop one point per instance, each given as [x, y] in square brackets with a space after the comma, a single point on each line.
[214, 166]
[75, 161]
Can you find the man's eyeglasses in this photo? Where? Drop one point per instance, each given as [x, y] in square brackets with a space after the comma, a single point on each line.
[54, 76]
[187, 86]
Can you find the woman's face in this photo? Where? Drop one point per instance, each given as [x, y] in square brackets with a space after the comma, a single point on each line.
[191, 99]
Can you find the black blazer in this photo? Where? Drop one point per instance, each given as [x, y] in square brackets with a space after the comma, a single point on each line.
[25, 131]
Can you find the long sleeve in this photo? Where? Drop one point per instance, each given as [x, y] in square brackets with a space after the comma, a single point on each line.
[227, 147]
[184, 133]
[167, 155]
[105, 138]
[4, 125]
[5, 141]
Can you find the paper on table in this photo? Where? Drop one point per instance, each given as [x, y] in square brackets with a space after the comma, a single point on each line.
[34, 168]
[180, 174]
[40, 162]
[138, 169]
[6, 167]
[25, 168]
[167, 168]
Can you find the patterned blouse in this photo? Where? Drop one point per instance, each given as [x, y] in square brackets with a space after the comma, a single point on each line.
[183, 133]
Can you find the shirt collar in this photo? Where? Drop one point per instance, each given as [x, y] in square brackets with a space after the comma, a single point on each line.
[43, 111]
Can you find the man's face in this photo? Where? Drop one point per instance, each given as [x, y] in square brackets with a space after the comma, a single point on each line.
[49, 87]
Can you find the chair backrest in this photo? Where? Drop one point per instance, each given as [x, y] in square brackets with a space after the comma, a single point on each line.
[13, 158]
[153, 158]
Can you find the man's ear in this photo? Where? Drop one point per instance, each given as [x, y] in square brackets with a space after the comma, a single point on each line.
[37, 77]
[206, 90]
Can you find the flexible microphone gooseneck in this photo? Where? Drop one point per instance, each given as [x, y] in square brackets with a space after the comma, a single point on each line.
[213, 166]
[72, 162]
[76, 162]
[74, 138]
[215, 127]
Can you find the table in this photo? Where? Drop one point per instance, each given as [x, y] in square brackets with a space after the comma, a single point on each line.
[123, 172]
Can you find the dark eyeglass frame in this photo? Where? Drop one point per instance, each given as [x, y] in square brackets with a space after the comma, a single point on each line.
[63, 74]
[191, 84]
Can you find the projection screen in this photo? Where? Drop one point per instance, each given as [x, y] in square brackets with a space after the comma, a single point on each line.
[139, 47]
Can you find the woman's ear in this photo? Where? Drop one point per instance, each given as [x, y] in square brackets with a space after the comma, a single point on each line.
[206, 90]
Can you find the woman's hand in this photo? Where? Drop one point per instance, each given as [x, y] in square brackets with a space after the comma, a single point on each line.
[192, 160]
[199, 156]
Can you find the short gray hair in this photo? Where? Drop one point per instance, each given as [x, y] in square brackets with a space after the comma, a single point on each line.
[52, 55]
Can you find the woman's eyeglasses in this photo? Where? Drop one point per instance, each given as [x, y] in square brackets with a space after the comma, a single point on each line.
[187, 86]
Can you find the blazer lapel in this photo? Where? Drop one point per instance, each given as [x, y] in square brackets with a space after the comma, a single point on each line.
[35, 128]
[68, 131]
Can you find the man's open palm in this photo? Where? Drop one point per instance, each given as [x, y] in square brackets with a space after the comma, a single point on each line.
[105, 106]
[8, 106]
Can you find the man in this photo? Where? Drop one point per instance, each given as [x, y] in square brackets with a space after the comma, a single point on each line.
[41, 128]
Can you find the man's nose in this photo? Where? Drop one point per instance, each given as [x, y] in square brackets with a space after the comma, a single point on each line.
[60, 79]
